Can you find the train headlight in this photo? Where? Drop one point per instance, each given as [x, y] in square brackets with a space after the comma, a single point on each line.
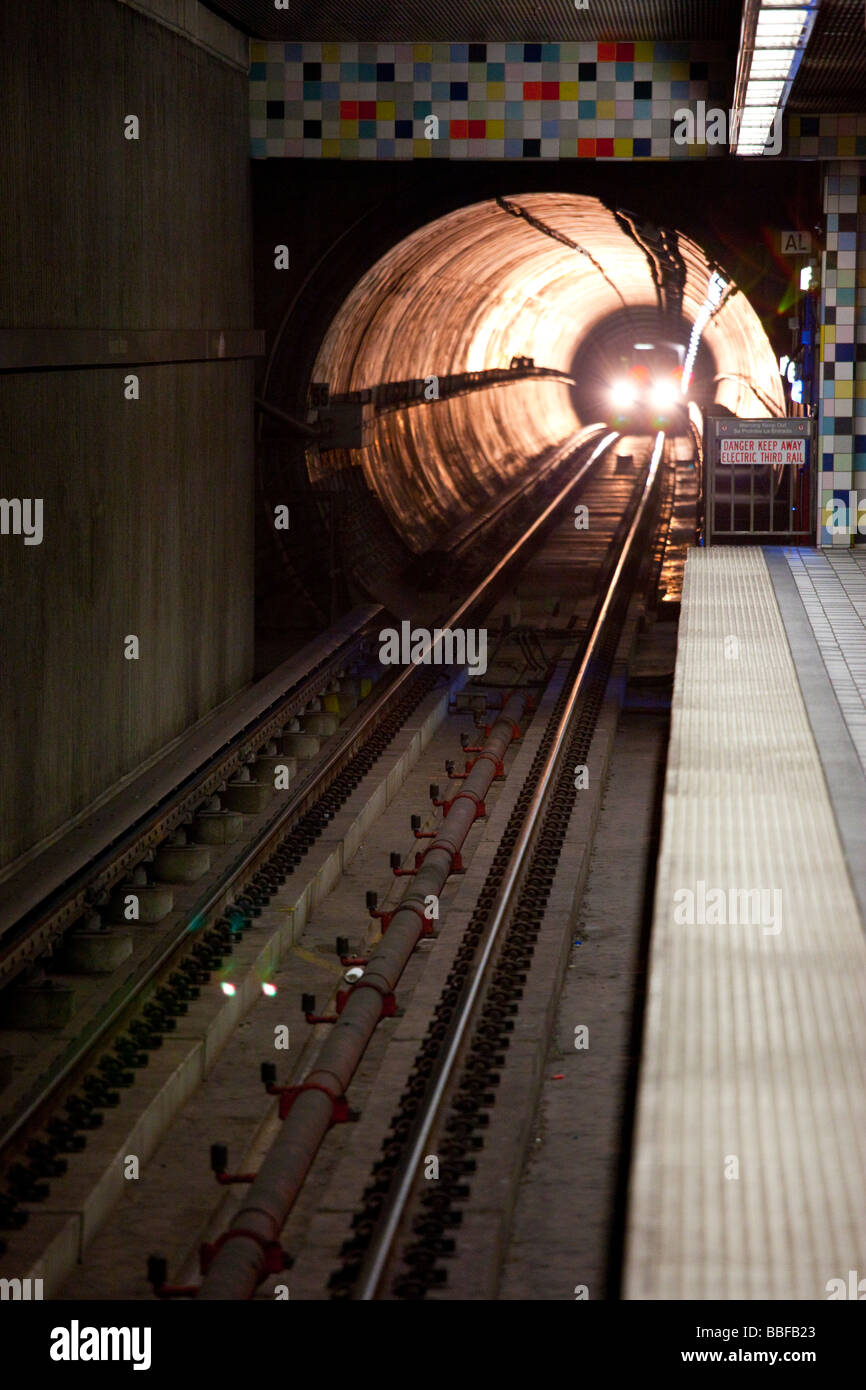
[664, 395]
[623, 395]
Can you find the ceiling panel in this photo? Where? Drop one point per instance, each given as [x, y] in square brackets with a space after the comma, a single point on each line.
[832, 75]
[484, 20]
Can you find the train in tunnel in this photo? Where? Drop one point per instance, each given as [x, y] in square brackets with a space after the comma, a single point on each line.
[647, 395]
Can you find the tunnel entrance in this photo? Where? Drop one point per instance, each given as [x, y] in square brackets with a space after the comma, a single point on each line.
[559, 279]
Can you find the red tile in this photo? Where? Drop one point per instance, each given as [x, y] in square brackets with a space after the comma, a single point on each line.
[459, 130]
[477, 130]
[367, 110]
[348, 111]
[532, 91]
[625, 53]
[604, 148]
[586, 149]
[550, 91]
[606, 52]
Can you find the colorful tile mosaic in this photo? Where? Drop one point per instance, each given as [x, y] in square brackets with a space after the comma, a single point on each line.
[486, 100]
[842, 405]
[825, 137]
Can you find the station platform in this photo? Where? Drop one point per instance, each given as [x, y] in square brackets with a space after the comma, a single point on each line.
[749, 1156]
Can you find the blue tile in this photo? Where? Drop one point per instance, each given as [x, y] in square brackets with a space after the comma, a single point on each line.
[294, 53]
[366, 72]
[460, 53]
[441, 91]
[643, 110]
[312, 91]
[532, 53]
[827, 463]
[423, 72]
[586, 110]
[514, 53]
[514, 111]
[330, 91]
[366, 130]
[679, 91]
[550, 130]
[384, 149]
[459, 91]
[513, 149]
[550, 53]
[420, 109]
[349, 72]
[495, 72]
[258, 72]
[643, 147]
[625, 72]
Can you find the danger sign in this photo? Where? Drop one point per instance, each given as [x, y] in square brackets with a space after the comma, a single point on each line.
[761, 453]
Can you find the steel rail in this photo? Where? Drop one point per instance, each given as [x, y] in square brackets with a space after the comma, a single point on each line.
[343, 746]
[378, 1252]
[241, 1261]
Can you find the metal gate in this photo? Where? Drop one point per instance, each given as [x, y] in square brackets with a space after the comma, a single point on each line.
[760, 481]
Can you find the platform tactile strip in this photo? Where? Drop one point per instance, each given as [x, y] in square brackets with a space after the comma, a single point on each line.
[749, 1164]
[832, 586]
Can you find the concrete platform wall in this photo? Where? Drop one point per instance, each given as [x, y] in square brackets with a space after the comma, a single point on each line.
[148, 503]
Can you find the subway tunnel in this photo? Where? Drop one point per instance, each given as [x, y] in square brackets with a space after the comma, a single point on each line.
[560, 279]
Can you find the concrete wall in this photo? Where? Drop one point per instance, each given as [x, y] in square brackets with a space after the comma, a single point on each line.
[147, 504]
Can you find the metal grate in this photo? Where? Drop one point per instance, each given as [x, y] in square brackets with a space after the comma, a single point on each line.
[417, 21]
[832, 76]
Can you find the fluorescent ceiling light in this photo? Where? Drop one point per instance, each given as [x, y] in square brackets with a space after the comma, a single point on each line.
[772, 41]
[764, 94]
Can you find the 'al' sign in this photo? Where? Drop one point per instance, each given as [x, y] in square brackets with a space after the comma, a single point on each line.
[757, 453]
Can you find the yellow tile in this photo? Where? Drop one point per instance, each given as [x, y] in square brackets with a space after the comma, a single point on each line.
[422, 52]
[643, 52]
[330, 53]
[828, 333]
[496, 130]
[568, 91]
[258, 52]
[623, 149]
[860, 389]
[679, 72]
[348, 130]
[385, 110]
[330, 149]
[422, 149]
[605, 111]
[844, 390]
[847, 145]
[495, 91]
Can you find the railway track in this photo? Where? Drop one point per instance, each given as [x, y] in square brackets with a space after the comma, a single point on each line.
[209, 961]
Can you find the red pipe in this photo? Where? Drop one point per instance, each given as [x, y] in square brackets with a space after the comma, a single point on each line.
[248, 1249]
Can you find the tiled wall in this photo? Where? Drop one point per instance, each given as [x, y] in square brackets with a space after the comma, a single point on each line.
[842, 420]
[825, 137]
[493, 100]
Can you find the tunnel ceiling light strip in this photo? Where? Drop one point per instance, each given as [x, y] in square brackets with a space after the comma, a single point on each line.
[716, 290]
[773, 40]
